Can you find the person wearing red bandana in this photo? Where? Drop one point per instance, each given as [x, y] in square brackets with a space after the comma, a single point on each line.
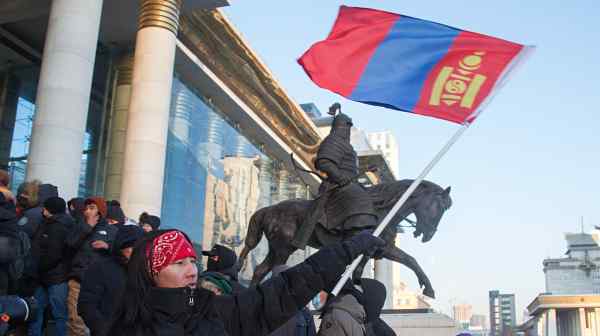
[162, 297]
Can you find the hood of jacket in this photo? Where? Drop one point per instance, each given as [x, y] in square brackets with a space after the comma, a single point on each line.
[349, 304]
[372, 298]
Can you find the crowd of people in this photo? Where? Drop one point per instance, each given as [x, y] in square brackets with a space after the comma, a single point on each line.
[93, 271]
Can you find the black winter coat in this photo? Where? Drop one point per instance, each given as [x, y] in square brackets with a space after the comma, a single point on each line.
[101, 289]
[80, 241]
[50, 249]
[254, 312]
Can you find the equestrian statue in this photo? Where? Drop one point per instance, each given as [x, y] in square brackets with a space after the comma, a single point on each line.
[343, 208]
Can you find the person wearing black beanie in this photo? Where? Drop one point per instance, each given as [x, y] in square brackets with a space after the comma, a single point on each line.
[149, 222]
[103, 283]
[49, 249]
[55, 205]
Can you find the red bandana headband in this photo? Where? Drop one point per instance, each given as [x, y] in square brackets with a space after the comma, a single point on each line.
[168, 248]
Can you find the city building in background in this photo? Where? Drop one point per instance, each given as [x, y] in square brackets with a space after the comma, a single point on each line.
[165, 108]
[478, 325]
[386, 142]
[404, 298]
[462, 314]
[571, 303]
[578, 272]
[502, 313]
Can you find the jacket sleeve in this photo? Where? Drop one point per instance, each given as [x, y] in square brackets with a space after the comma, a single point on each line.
[90, 299]
[262, 309]
[77, 236]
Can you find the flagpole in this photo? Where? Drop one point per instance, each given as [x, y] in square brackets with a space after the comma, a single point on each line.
[401, 202]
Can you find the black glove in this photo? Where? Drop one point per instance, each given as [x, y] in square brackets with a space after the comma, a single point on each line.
[363, 243]
[342, 181]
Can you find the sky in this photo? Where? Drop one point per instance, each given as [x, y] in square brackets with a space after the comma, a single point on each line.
[523, 174]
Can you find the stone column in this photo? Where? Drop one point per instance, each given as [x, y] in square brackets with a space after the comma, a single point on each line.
[551, 323]
[582, 322]
[148, 118]
[118, 127]
[9, 97]
[384, 274]
[63, 94]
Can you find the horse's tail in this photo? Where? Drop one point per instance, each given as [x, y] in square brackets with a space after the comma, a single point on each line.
[254, 234]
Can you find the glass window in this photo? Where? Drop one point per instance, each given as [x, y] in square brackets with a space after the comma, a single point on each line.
[216, 178]
[21, 132]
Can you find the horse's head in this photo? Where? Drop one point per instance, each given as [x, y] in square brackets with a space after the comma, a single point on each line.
[429, 210]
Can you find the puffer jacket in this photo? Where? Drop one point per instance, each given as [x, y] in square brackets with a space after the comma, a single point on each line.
[50, 249]
[80, 241]
[254, 312]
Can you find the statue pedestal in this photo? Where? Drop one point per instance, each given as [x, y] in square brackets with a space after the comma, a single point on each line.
[420, 322]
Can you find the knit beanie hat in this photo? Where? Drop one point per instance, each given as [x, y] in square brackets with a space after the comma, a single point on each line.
[55, 205]
[100, 203]
[153, 221]
[115, 212]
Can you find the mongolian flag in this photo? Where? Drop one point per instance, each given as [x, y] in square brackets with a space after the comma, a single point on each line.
[396, 61]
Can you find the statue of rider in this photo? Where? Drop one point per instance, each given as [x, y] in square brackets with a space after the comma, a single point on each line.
[343, 205]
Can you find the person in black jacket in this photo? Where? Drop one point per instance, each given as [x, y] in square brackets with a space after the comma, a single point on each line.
[103, 283]
[8, 244]
[49, 249]
[89, 241]
[162, 298]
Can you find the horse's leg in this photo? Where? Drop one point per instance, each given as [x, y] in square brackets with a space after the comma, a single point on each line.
[253, 237]
[262, 269]
[395, 254]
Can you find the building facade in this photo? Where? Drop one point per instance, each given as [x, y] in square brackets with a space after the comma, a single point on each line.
[404, 298]
[462, 314]
[502, 313]
[571, 303]
[386, 142]
[164, 108]
[578, 272]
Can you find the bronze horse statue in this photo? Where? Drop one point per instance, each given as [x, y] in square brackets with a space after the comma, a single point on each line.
[279, 223]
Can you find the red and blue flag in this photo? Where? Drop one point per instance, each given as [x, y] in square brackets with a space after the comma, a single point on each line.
[408, 64]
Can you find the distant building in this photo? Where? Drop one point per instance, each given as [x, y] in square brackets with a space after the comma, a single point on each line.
[386, 142]
[462, 313]
[571, 304]
[478, 320]
[502, 313]
[578, 272]
[407, 299]
[478, 325]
